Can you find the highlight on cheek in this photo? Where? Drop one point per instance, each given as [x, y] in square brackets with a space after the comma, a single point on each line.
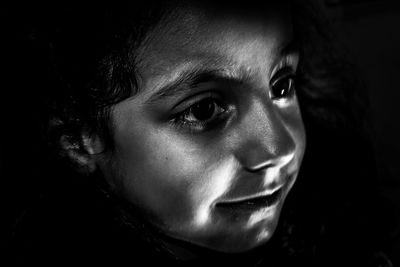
[221, 175]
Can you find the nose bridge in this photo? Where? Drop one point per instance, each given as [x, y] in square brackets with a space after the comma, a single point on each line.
[266, 139]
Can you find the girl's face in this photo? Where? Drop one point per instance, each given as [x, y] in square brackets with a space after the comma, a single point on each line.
[212, 143]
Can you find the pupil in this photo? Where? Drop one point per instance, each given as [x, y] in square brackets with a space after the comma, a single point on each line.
[203, 110]
[282, 88]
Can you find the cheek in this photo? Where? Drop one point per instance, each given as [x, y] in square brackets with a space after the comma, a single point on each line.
[173, 178]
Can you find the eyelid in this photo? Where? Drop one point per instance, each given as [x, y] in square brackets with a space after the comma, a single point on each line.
[198, 89]
[288, 61]
[284, 72]
[193, 99]
[195, 127]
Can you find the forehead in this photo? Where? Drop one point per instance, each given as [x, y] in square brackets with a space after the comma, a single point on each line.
[213, 38]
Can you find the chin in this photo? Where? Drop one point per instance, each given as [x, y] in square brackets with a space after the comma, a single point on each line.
[238, 233]
[242, 241]
[249, 243]
[243, 238]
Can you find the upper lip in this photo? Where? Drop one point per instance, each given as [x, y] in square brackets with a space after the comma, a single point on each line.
[250, 198]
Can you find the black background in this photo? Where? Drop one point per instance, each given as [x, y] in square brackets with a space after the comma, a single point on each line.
[370, 30]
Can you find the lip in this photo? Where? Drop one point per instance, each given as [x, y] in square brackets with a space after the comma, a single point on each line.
[254, 203]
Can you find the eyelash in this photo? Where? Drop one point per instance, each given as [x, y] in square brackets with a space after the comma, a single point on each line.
[286, 73]
[218, 113]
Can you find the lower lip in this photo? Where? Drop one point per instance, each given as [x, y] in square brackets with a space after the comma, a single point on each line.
[254, 204]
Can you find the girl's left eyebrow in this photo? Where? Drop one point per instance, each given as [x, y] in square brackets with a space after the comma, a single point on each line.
[291, 47]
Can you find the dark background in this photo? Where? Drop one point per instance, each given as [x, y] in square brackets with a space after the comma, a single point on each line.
[368, 29]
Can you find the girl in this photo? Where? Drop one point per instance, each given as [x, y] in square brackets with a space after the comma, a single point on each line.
[187, 123]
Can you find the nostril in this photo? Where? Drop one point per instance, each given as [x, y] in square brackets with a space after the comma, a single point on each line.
[259, 167]
[278, 161]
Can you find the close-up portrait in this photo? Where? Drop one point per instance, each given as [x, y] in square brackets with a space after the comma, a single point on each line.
[201, 133]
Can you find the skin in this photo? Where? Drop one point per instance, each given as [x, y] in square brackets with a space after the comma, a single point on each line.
[176, 168]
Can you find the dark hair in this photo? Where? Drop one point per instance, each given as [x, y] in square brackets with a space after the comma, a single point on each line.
[92, 55]
[93, 59]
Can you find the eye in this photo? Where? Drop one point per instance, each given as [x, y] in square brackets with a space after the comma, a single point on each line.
[203, 110]
[283, 87]
[201, 115]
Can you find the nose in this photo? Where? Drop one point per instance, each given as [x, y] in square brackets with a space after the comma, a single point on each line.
[266, 140]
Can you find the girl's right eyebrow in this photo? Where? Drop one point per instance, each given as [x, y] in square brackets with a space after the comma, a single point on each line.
[188, 79]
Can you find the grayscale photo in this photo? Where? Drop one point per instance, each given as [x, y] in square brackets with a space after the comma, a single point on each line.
[201, 133]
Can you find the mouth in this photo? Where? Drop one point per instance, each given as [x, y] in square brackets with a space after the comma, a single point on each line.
[254, 203]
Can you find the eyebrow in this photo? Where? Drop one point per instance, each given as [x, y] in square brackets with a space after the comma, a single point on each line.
[188, 79]
[291, 47]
